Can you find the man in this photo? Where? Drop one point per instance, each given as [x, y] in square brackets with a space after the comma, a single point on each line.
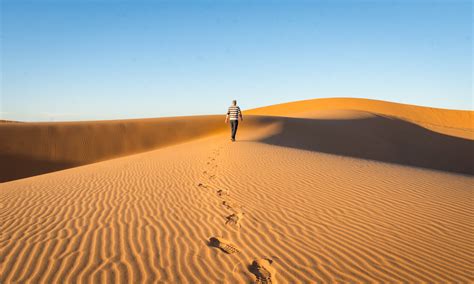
[233, 115]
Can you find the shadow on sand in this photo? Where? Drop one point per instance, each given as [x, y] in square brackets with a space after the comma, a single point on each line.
[29, 149]
[14, 167]
[378, 138]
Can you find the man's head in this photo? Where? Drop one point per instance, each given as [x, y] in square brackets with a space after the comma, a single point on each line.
[234, 102]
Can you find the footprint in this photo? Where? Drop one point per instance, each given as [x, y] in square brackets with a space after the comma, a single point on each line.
[231, 205]
[212, 177]
[263, 270]
[225, 245]
[235, 219]
[228, 204]
[222, 192]
[204, 172]
[202, 185]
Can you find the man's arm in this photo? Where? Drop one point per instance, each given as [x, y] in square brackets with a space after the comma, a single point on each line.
[227, 117]
[240, 114]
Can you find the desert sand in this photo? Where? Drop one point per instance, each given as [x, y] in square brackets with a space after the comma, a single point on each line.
[320, 191]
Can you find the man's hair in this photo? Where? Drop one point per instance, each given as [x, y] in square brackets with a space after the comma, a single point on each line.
[234, 102]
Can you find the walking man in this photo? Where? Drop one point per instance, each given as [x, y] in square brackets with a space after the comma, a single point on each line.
[233, 115]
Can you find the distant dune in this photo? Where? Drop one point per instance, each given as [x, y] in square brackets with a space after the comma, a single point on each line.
[319, 191]
[29, 149]
[452, 122]
[389, 132]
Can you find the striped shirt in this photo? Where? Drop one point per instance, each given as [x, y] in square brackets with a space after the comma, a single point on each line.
[233, 112]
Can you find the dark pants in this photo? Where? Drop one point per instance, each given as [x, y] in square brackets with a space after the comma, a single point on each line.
[233, 126]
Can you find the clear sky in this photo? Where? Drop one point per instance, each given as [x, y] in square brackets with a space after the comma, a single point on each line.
[83, 60]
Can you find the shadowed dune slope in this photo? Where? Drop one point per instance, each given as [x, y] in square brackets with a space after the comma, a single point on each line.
[375, 137]
[28, 149]
[458, 123]
[410, 135]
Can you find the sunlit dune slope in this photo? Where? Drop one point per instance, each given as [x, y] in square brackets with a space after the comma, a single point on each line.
[28, 149]
[452, 122]
[319, 218]
[321, 195]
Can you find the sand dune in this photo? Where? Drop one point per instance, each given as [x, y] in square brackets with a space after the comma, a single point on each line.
[274, 206]
[370, 136]
[29, 149]
[383, 131]
[451, 122]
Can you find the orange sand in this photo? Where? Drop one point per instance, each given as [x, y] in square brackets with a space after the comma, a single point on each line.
[28, 149]
[452, 122]
[299, 198]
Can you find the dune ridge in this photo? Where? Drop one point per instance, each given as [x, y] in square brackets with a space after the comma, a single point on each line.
[369, 136]
[28, 149]
[452, 122]
[62, 145]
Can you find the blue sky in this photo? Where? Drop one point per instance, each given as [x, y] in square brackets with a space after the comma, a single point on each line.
[84, 60]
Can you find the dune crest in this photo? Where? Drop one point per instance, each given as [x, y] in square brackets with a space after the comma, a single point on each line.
[28, 149]
[458, 123]
[62, 145]
[369, 136]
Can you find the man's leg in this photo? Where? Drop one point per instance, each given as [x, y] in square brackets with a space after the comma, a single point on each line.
[234, 128]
